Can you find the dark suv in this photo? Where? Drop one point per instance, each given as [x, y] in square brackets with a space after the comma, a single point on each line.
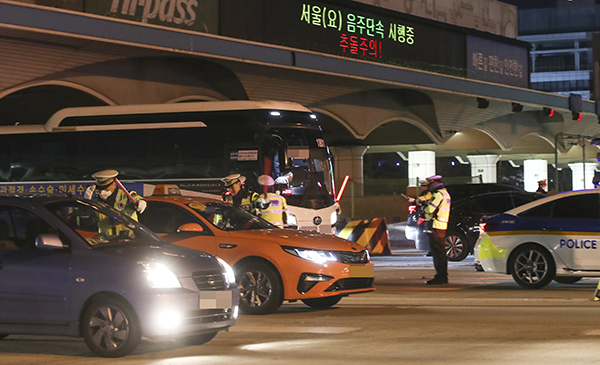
[470, 203]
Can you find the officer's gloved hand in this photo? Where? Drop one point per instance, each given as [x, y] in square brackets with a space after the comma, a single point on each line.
[89, 192]
[141, 206]
[264, 201]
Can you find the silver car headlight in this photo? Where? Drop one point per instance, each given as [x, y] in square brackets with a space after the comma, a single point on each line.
[159, 276]
[316, 256]
[227, 271]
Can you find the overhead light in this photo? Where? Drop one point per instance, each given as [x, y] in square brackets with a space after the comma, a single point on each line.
[548, 112]
[517, 108]
[482, 103]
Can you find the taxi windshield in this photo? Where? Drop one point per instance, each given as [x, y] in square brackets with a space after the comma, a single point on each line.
[229, 218]
[100, 225]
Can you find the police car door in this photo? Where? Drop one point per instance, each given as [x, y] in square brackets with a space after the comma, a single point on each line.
[573, 231]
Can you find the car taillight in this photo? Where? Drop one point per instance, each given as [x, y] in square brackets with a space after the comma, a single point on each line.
[412, 208]
[486, 227]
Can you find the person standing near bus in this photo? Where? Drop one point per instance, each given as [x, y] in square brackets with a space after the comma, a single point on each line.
[242, 197]
[107, 191]
[276, 212]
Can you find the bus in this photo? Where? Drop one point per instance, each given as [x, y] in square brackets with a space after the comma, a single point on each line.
[191, 144]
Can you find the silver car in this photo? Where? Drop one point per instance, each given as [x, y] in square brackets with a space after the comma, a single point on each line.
[73, 267]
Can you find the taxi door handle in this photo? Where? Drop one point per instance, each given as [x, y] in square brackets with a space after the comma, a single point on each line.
[553, 229]
[227, 245]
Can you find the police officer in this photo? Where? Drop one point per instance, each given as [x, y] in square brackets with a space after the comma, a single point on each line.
[107, 191]
[438, 211]
[276, 212]
[541, 187]
[240, 196]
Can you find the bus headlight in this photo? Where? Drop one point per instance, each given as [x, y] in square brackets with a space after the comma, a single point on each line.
[159, 276]
[334, 218]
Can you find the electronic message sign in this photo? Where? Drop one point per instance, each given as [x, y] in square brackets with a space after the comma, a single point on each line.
[498, 62]
[367, 33]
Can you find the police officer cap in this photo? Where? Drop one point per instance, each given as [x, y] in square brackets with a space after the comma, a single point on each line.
[105, 177]
[266, 180]
[542, 182]
[232, 179]
[434, 178]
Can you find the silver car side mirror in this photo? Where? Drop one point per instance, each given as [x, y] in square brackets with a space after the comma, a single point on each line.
[48, 241]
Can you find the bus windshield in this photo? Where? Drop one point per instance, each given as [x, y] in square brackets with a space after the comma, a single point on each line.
[307, 173]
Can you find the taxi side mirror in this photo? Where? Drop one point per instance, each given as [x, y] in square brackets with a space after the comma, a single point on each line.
[190, 227]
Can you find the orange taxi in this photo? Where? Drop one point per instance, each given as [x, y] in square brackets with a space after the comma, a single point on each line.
[271, 264]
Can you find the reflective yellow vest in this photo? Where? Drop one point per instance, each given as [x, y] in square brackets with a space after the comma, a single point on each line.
[438, 209]
[250, 201]
[275, 212]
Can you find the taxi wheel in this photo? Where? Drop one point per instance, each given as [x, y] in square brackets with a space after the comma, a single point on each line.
[110, 328]
[261, 291]
[457, 248]
[198, 339]
[322, 303]
[532, 267]
[567, 279]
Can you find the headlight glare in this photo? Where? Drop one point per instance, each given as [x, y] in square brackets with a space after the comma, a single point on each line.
[228, 271]
[159, 276]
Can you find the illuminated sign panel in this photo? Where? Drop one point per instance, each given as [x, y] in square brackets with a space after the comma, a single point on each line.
[387, 36]
[71, 188]
[196, 15]
[498, 62]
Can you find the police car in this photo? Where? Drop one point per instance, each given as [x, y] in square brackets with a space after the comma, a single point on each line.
[554, 238]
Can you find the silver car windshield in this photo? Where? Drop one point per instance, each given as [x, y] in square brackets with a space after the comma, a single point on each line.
[100, 225]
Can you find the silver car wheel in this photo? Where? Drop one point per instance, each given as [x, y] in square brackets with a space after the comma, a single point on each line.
[110, 329]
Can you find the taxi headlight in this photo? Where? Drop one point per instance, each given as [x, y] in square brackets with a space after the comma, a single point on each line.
[228, 271]
[316, 256]
[159, 276]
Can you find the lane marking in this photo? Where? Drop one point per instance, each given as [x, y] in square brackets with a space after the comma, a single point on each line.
[274, 329]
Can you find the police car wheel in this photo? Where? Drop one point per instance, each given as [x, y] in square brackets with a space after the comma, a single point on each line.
[261, 291]
[567, 279]
[457, 248]
[532, 267]
[322, 303]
